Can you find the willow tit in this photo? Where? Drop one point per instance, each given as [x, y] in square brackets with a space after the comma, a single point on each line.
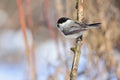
[72, 28]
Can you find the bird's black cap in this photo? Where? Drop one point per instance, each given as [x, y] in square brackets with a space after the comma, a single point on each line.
[62, 20]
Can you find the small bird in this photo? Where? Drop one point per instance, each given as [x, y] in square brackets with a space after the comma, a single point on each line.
[72, 28]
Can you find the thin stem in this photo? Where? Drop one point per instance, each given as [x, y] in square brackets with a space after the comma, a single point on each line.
[76, 58]
[77, 9]
[23, 26]
[30, 25]
[76, 49]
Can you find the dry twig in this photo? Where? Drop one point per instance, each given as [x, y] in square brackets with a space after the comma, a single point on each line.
[76, 49]
[30, 25]
[23, 26]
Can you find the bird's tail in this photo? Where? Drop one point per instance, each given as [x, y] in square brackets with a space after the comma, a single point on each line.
[94, 25]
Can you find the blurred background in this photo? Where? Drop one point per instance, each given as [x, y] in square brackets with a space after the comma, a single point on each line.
[32, 48]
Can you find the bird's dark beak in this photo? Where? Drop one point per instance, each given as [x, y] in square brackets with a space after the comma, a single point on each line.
[58, 25]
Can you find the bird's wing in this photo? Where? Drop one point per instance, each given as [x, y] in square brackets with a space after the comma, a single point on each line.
[74, 30]
[77, 26]
[82, 25]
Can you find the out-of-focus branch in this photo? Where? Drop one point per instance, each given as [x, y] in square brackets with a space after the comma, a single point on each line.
[50, 27]
[23, 26]
[30, 25]
[52, 31]
[76, 49]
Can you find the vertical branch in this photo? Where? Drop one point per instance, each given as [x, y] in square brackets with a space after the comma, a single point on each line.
[50, 27]
[52, 31]
[30, 25]
[77, 9]
[76, 49]
[76, 58]
[23, 26]
[80, 11]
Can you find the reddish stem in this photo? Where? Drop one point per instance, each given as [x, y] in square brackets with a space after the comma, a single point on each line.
[30, 25]
[23, 26]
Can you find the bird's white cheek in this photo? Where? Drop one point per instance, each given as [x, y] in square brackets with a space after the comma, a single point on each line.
[61, 27]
